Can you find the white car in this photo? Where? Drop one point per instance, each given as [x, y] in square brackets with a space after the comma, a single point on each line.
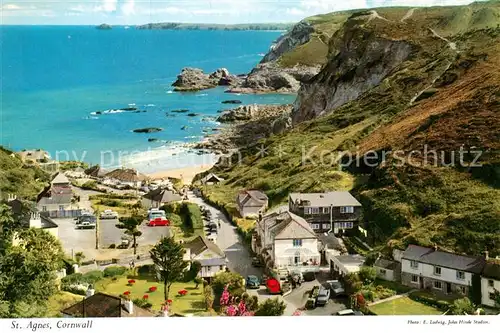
[109, 214]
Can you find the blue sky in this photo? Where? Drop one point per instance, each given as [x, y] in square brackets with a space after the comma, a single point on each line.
[128, 12]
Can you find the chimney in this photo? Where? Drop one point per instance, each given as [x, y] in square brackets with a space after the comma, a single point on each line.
[35, 220]
[486, 255]
[129, 306]
[90, 292]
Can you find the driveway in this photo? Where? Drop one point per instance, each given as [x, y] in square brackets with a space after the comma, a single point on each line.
[74, 240]
[110, 234]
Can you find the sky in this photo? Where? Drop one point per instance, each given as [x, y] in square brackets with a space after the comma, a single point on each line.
[131, 12]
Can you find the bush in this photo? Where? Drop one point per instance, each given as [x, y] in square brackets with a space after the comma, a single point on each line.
[367, 274]
[310, 304]
[93, 276]
[114, 271]
[145, 270]
[309, 276]
[429, 300]
[314, 292]
[74, 290]
[368, 295]
[142, 303]
[112, 246]
[75, 278]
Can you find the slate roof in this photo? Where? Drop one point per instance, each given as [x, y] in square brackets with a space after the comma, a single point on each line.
[102, 305]
[60, 178]
[387, 264]
[210, 176]
[213, 262]
[293, 227]
[162, 195]
[126, 175]
[200, 244]
[16, 206]
[252, 198]
[337, 199]
[351, 259]
[444, 259]
[491, 270]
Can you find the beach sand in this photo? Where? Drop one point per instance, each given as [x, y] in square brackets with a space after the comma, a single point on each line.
[185, 174]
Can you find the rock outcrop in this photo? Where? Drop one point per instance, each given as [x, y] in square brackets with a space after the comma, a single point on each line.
[148, 130]
[194, 79]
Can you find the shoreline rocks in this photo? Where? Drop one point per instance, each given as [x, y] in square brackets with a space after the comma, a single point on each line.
[194, 79]
[148, 130]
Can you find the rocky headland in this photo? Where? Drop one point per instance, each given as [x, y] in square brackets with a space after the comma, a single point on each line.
[195, 79]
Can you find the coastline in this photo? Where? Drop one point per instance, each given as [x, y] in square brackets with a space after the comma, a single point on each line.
[186, 174]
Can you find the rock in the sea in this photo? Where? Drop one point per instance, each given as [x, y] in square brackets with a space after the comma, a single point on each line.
[104, 27]
[232, 101]
[129, 109]
[193, 114]
[148, 130]
[184, 128]
[153, 140]
[194, 79]
[180, 111]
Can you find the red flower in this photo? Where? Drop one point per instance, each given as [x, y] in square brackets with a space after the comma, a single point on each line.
[182, 292]
[126, 293]
[152, 289]
[145, 296]
[131, 281]
[169, 301]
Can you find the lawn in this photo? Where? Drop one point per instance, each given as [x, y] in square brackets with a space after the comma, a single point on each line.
[61, 301]
[192, 303]
[403, 306]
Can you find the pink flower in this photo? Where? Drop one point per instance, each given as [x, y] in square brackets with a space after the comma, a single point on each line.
[224, 299]
[247, 314]
[231, 311]
[297, 313]
[242, 308]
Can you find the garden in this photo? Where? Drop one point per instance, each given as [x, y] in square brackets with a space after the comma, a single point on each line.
[403, 306]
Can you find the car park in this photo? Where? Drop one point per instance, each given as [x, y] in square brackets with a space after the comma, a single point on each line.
[86, 225]
[336, 288]
[323, 296]
[159, 222]
[252, 282]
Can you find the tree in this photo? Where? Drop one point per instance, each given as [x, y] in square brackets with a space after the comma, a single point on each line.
[462, 306]
[352, 283]
[79, 256]
[9, 225]
[234, 282]
[28, 272]
[271, 307]
[130, 225]
[209, 296]
[168, 258]
[367, 274]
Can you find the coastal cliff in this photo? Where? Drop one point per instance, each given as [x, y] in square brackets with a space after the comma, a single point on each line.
[394, 80]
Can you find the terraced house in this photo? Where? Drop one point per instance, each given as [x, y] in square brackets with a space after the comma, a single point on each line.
[335, 212]
[490, 284]
[439, 271]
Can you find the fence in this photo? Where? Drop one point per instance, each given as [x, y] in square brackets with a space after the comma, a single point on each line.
[72, 213]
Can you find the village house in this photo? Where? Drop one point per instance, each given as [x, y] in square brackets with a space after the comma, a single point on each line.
[211, 179]
[286, 241]
[57, 197]
[439, 271]
[35, 156]
[327, 212]
[124, 177]
[388, 270]
[99, 305]
[490, 283]
[251, 203]
[33, 219]
[159, 197]
[344, 264]
[211, 258]
[96, 172]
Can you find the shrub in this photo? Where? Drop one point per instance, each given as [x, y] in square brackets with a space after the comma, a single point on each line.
[73, 279]
[315, 292]
[142, 303]
[112, 246]
[310, 303]
[145, 270]
[368, 295]
[114, 271]
[429, 300]
[367, 274]
[93, 276]
[74, 290]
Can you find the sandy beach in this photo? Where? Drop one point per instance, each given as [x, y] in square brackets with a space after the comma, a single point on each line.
[185, 174]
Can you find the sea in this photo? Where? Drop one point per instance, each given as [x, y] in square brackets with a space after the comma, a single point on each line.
[64, 88]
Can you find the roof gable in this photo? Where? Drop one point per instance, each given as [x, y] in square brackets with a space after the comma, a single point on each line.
[492, 270]
[335, 199]
[290, 226]
[200, 244]
[252, 198]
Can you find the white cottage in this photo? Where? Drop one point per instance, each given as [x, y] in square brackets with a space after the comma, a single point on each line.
[211, 258]
[490, 284]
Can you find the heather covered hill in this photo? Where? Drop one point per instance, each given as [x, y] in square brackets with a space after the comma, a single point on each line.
[396, 79]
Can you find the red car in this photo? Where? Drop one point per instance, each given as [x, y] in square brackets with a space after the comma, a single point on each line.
[159, 222]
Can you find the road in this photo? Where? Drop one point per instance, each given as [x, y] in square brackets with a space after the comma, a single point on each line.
[240, 259]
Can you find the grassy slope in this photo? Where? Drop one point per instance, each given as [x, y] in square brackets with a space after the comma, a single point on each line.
[415, 204]
[403, 306]
[18, 178]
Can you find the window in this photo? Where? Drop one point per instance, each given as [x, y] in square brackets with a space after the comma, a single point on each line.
[44, 208]
[460, 275]
[314, 210]
[209, 268]
[437, 270]
[382, 272]
[61, 207]
[297, 242]
[307, 211]
[344, 225]
[221, 267]
[326, 226]
[492, 296]
[438, 285]
[414, 278]
[326, 210]
[316, 226]
[491, 283]
[413, 264]
[347, 210]
[462, 290]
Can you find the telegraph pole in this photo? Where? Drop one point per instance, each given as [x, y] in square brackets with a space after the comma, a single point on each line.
[97, 229]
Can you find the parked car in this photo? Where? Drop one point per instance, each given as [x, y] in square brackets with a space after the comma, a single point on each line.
[349, 312]
[86, 225]
[256, 262]
[309, 276]
[109, 214]
[159, 222]
[323, 296]
[296, 278]
[336, 287]
[253, 282]
[273, 286]
[155, 212]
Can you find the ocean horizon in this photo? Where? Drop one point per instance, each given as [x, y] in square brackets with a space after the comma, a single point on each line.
[63, 88]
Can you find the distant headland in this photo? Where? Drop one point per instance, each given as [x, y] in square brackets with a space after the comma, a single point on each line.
[204, 26]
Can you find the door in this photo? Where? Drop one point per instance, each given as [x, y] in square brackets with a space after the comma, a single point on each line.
[421, 281]
[296, 259]
[448, 288]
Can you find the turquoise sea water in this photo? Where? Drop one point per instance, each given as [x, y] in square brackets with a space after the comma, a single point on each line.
[55, 78]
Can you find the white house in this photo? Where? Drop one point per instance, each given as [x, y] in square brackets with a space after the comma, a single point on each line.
[251, 203]
[388, 270]
[490, 284]
[211, 258]
[439, 271]
[124, 177]
[35, 220]
[342, 265]
[286, 241]
[56, 197]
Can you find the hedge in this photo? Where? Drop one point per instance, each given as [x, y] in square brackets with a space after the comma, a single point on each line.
[428, 300]
[114, 271]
